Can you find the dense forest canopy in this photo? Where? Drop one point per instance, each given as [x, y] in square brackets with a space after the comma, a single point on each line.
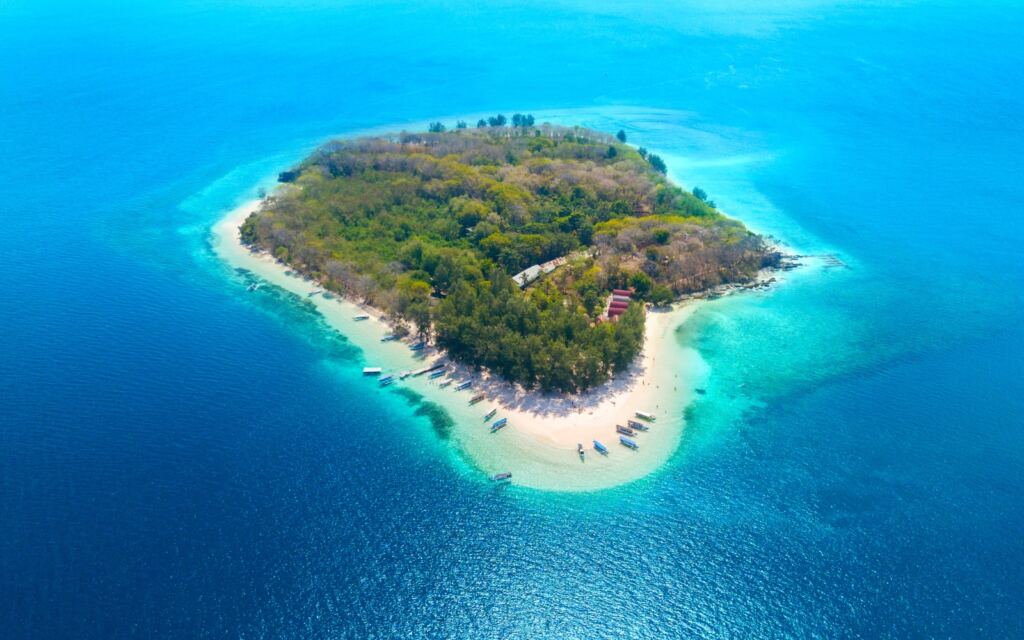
[430, 226]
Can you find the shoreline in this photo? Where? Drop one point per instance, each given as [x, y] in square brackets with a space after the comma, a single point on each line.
[539, 444]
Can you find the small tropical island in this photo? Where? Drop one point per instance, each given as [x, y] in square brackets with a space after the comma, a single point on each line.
[504, 244]
[531, 264]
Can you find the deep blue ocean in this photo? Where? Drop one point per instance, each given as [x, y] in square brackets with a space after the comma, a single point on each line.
[181, 458]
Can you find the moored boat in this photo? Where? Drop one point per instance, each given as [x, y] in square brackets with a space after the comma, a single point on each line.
[389, 338]
[371, 371]
[444, 383]
[490, 414]
[436, 374]
[645, 415]
[464, 385]
[405, 374]
[362, 316]
[477, 398]
[600, 448]
[499, 477]
[386, 380]
[633, 424]
[498, 424]
[626, 431]
[629, 442]
[580, 451]
[419, 346]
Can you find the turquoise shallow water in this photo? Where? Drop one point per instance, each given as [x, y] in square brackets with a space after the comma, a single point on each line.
[181, 458]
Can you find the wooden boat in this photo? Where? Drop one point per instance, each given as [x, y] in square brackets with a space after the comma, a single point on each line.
[645, 415]
[477, 398]
[498, 424]
[371, 371]
[445, 383]
[626, 431]
[639, 426]
[364, 316]
[436, 374]
[314, 292]
[629, 442]
[600, 448]
[419, 346]
[389, 338]
[490, 414]
[386, 380]
[500, 477]
[464, 385]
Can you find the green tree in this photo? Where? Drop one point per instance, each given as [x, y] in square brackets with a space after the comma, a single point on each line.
[621, 135]
[661, 295]
[657, 163]
[641, 283]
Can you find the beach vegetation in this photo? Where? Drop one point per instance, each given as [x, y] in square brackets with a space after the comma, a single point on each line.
[430, 227]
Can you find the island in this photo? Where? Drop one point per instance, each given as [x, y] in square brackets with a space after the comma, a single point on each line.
[529, 264]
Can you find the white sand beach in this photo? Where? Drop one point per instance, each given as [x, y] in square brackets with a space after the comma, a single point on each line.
[539, 444]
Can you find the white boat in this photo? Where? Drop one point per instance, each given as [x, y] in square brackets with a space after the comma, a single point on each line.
[645, 415]
[371, 371]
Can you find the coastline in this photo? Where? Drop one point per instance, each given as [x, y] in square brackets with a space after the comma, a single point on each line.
[539, 444]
